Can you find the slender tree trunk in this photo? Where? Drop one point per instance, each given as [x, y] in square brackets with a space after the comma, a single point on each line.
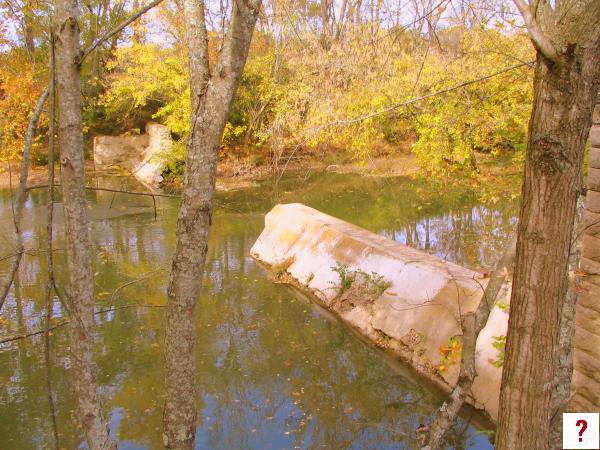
[326, 31]
[211, 99]
[79, 263]
[564, 95]
[21, 197]
[28, 35]
[472, 324]
[49, 233]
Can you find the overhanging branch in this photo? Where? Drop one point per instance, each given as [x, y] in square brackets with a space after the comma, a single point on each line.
[106, 36]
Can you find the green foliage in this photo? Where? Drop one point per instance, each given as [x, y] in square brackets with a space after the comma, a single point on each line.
[373, 283]
[293, 100]
[281, 268]
[450, 354]
[147, 77]
[499, 344]
[489, 116]
[503, 306]
[377, 283]
[346, 275]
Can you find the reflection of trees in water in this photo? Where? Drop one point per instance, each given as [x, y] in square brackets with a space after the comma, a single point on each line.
[273, 365]
[470, 237]
[266, 360]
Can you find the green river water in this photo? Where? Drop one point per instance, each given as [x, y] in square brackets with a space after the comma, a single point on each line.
[274, 371]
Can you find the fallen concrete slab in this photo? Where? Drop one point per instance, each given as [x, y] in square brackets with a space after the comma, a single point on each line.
[403, 300]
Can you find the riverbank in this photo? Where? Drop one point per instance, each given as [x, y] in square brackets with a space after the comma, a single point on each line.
[241, 173]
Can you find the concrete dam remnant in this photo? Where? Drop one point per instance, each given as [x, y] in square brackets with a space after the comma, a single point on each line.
[403, 300]
[135, 153]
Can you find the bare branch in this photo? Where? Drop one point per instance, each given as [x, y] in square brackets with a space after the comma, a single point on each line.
[21, 193]
[106, 36]
[69, 320]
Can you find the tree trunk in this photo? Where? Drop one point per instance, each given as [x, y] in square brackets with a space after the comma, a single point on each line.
[564, 95]
[472, 324]
[28, 33]
[79, 264]
[325, 32]
[211, 100]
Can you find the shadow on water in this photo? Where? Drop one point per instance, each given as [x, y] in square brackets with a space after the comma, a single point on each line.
[273, 371]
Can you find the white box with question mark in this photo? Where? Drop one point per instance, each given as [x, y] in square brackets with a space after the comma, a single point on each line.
[581, 431]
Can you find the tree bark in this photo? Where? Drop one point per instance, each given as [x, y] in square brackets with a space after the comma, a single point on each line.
[564, 95]
[80, 279]
[565, 347]
[49, 246]
[211, 100]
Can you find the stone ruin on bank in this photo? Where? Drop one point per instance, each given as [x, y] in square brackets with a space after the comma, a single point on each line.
[137, 154]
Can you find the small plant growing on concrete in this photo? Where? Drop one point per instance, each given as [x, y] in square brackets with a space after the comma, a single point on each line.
[372, 285]
[347, 277]
[279, 269]
[499, 344]
[309, 278]
[377, 283]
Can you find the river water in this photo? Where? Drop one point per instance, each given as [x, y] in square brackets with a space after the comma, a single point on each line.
[274, 371]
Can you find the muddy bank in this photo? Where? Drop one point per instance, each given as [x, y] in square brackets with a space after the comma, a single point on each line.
[240, 173]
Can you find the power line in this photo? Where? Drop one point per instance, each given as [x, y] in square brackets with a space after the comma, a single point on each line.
[425, 97]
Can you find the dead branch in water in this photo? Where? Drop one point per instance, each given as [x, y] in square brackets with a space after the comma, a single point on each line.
[120, 191]
[68, 320]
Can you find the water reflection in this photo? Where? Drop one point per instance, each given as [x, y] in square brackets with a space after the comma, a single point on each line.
[273, 371]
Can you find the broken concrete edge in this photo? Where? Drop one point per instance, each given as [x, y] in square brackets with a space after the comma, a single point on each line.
[139, 154]
[378, 338]
[425, 373]
[302, 246]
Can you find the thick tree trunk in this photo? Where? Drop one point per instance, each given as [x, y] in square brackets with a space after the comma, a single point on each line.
[211, 100]
[564, 95]
[79, 263]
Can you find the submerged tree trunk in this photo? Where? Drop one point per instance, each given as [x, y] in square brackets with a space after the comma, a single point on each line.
[79, 263]
[564, 94]
[211, 99]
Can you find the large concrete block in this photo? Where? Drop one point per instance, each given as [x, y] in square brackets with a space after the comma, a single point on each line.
[118, 151]
[421, 310]
[417, 315]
